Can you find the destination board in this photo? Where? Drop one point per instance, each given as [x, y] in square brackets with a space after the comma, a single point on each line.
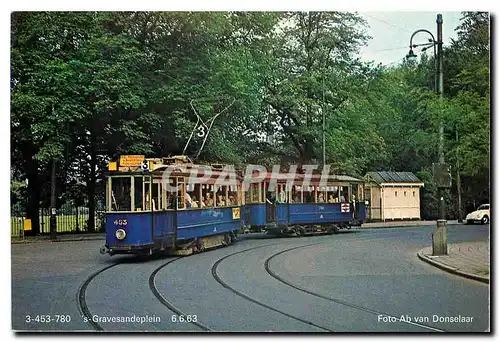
[131, 160]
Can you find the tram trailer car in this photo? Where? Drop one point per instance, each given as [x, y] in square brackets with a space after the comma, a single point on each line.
[306, 209]
[143, 218]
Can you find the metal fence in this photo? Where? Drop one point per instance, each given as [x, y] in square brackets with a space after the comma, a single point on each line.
[69, 219]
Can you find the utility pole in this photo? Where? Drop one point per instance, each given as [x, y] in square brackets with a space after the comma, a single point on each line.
[440, 238]
[323, 112]
[459, 186]
[53, 210]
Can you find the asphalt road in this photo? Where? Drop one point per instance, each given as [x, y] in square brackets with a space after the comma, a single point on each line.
[358, 281]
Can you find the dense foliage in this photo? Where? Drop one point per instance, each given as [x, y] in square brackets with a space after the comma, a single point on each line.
[89, 86]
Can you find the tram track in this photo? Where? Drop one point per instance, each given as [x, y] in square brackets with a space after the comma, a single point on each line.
[242, 295]
[82, 302]
[334, 300]
[165, 301]
[81, 294]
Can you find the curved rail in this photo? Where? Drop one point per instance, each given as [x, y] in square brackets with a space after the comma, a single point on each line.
[335, 300]
[224, 284]
[166, 302]
[82, 303]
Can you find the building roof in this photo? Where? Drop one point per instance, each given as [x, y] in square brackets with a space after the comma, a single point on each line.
[392, 177]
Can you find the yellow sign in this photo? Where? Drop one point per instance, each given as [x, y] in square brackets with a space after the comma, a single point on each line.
[131, 160]
[27, 224]
[112, 166]
[236, 213]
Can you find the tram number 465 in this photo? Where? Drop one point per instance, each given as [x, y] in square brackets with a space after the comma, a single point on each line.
[120, 222]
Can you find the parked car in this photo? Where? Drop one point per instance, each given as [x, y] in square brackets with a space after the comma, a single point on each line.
[482, 214]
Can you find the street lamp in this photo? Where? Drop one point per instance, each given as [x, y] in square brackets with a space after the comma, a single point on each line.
[411, 55]
[441, 170]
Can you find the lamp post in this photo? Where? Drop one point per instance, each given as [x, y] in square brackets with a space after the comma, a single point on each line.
[323, 112]
[441, 170]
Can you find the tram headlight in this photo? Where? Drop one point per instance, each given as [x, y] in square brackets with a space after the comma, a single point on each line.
[120, 234]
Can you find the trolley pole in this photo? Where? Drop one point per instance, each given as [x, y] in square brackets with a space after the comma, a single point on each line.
[440, 238]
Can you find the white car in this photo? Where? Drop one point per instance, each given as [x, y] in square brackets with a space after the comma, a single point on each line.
[482, 214]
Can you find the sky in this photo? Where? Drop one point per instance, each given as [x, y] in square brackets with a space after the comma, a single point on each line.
[391, 32]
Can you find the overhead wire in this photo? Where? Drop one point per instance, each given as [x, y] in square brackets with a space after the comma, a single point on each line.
[398, 60]
[387, 23]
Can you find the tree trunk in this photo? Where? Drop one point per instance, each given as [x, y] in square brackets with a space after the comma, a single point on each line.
[53, 201]
[92, 181]
[33, 205]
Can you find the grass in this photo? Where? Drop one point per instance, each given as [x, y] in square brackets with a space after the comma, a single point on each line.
[64, 224]
[484, 271]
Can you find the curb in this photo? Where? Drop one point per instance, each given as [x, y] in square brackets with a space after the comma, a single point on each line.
[405, 224]
[23, 242]
[450, 269]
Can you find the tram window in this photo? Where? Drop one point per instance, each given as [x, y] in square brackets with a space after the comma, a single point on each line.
[344, 194]
[138, 193]
[120, 193]
[207, 195]
[148, 201]
[181, 191]
[167, 199]
[355, 193]
[254, 192]
[221, 196]
[193, 195]
[333, 194]
[247, 196]
[156, 201]
[295, 194]
[282, 194]
[232, 196]
[309, 194]
[322, 194]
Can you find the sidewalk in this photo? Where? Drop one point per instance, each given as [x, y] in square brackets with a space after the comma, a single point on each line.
[60, 238]
[389, 224]
[467, 259]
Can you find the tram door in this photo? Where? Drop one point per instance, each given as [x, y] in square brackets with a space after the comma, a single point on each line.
[270, 199]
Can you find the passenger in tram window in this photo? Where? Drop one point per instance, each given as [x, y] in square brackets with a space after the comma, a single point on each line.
[342, 198]
[169, 201]
[220, 201]
[321, 199]
[282, 196]
[232, 196]
[194, 203]
[209, 202]
[187, 201]
[296, 197]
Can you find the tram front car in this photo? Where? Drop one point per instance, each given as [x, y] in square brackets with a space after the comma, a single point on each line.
[142, 217]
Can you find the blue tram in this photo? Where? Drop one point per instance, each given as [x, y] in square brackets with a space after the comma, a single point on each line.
[171, 205]
[149, 211]
[305, 206]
